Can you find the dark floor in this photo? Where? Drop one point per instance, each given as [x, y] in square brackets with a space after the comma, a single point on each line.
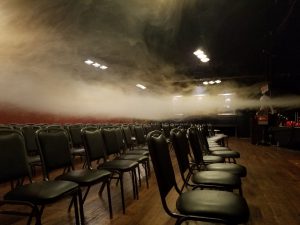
[271, 188]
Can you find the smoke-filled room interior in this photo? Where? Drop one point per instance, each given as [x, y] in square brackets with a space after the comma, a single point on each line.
[149, 112]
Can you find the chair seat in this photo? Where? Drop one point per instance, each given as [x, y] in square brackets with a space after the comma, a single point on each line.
[35, 159]
[237, 169]
[78, 151]
[138, 152]
[217, 179]
[138, 158]
[121, 164]
[85, 177]
[43, 192]
[207, 159]
[219, 148]
[226, 154]
[215, 206]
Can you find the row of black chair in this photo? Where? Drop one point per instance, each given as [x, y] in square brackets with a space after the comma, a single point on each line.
[218, 206]
[53, 144]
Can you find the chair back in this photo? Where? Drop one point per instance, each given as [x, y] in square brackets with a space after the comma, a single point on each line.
[110, 140]
[128, 136]
[161, 160]
[30, 140]
[13, 157]
[94, 145]
[139, 135]
[194, 140]
[120, 139]
[181, 147]
[54, 149]
[75, 134]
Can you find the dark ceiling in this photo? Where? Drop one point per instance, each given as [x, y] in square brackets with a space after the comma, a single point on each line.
[246, 40]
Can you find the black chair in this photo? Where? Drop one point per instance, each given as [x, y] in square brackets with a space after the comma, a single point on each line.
[197, 205]
[201, 179]
[77, 148]
[130, 143]
[8, 210]
[102, 144]
[225, 152]
[14, 168]
[194, 140]
[55, 154]
[33, 155]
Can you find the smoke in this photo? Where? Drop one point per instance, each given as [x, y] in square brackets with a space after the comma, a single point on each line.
[44, 45]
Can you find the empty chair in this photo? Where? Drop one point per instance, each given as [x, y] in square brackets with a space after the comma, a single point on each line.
[203, 179]
[33, 155]
[76, 140]
[55, 154]
[194, 140]
[117, 166]
[221, 151]
[139, 157]
[34, 211]
[130, 144]
[14, 168]
[198, 205]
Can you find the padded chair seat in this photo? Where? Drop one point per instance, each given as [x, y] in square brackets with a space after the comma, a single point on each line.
[43, 192]
[237, 169]
[226, 207]
[124, 165]
[138, 158]
[219, 148]
[85, 176]
[78, 151]
[212, 159]
[35, 159]
[217, 178]
[138, 152]
[227, 154]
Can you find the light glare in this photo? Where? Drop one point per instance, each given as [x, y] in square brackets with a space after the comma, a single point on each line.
[141, 86]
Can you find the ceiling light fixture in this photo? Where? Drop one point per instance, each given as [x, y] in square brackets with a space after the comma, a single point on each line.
[211, 82]
[141, 86]
[201, 55]
[218, 81]
[88, 61]
[96, 64]
[205, 82]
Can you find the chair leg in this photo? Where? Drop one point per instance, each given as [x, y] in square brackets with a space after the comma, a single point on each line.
[122, 191]
[76, 209]
[109, 198]
[80, 201]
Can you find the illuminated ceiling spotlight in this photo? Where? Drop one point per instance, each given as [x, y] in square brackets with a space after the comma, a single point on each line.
[103, 67]
[218, 81]
[96, 64]
[141, 86]
[205, 82]
[201, 55]
[204, 60]
[88, 61]
[211, 82]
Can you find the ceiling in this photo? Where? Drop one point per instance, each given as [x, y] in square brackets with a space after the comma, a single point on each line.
[246, 41]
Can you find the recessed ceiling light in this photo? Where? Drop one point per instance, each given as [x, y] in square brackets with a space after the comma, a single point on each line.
[211, 82]
[205, 82]
[218, 81]
[96, 64]
[141, 86]
[88, 61]
[103, 67]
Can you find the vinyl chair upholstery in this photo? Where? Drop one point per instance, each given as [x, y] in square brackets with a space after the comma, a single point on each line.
[197, 205]
[200, 179]
[14, 167]
[55, 153]
[97, 146]
[194, 140]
